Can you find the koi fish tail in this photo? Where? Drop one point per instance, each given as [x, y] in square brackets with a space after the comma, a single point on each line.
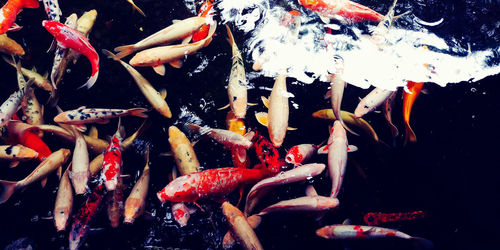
[421, 243]
[120, 130]
[136, 7]
[111, 55]
[394, 130]
[409, 135]
[139, 112]
[53, 98]
[8, 189]
[30, 4]
[124, 50]
[347, 128]
[91, 80]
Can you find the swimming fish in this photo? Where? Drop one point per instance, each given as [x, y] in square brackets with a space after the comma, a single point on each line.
[32, 110]
[9, 46]
[306, 204]
[51, 163]
[79, 174]
[19, 133]
[225, 137]
[345, 9]
[371, 101]
[39, 80]
[156, 57]
[70, 38]
[349, 118]
[61, 52]
[10, 10]
[184, 155]
[378, 36]
[210, 183]
[90, 115]
[10, 106]
[136, 201]
[64, 201]
[111, 165]
[52, 9]
[276, 119]
[228, 241]
[298, 154]
[16, 153]
[240, 228]
[337, 157]
[408, 100]
[115, 203]
[382, 218]
[337, 85]
[267, 154]
[176, 31]
[206, 9]
[155, 98]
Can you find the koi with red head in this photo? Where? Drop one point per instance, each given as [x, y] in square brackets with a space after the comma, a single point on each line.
[268, 155]
[352, 11]
[206, 9]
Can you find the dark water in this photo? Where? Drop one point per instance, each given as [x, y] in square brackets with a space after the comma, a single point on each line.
[451, 172]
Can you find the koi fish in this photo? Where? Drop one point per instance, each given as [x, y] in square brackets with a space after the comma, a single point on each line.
[209, 183]
[295, 175]
[276, 120]
[371, 101]
[349, 118]
[176, 31]
[237, 83]
[225, 137]
[338, 85]
[84, 25]
[61, 53]
[352, 232]
[408, 100]
[10, 10]
[156, 99]
[237, 125]
[17, 153]
[115, 203]
[17, 132]
[228, 241]
[54, 161]
[382, 218]
[181, 213]
[82, 220]
[136, 201]
[388, 104]
[240, 228]
[32, 109]
[52, 9]
[64, 201]
[111, 165]
[90, 115]
[298, 154]
[306, 204]
[378, 36]
[135, 7]
[206, 9]
[184, 155]
[80, 164]
[333, 9]
[337, 157]
[267, 154]
[9, 46]
[70, 38]
[39, 80]
[156, 57]
[10, 106]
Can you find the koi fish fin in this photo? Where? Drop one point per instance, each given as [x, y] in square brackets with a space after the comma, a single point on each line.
[173, 174]
[409, 135]
[187, 40]
[93, 133]
[241, 153]
[59, 172]
[324, 19]
[32, 4]
[124, 51]
[251, 104]
[311, 191]
[120, 130]
[347, 222]
[249, 135]
[291, 129]
[194, 127]
[91, 81]
[262, 118]
[53, 46]
[328, 94]
[167, 154]
[265, 101]
[176, 64]
[13, 164]
[323, 149]
[352, 148]
[198, 205]
[225, 107]
[421, 243]
[346, 127]
[159, 69]
[424, 91]
[15, 27]
[43, 182]
[105, 121]
[136, 8]
[163, 93]
[242, 189]
[139, 112]
[9, 187]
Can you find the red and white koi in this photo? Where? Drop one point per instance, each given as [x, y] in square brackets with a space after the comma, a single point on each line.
[10, 106]
[52, 9]
[51, 163]
[206, 10]
[136, 201]
[70, 38]
[89, 115]
[10, 10]
[61, 52]
[306, 204]
[226, 137]
[345, 9]
[337, 157]
[301, 153]
[209, 183]
[111, 165]
[371, 101]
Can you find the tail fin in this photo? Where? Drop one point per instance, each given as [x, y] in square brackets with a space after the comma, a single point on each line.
[146, 158]
[135, 7]
[91, 81]
[347, 128]
[120, 130]
[409, 135]
[139, 112]
[111, 55]
[33, 4]
[8, 189]
[124, 50]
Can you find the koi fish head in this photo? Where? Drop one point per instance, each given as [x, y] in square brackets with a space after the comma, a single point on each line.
[182, 189]
[143, 59]
[294, 155]
[132, 209]
[53, 27]
[61, 218]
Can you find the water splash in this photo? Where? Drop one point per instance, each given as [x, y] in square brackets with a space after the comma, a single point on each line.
[412, 52]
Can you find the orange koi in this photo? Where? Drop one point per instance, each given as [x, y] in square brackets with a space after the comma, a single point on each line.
[408, 100]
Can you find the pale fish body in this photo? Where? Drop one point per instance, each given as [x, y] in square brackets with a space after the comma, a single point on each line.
[31, 107]
[349, 118]
[176, 31]
[61, 52]
[156, 57]
[156, 100]
[237, 84]
[39, 80]
[64, 202]
[80, 164]
[90, 115]
[52, 9]
[337, 157]
[304, 204]
[337, 92]
[136, 201]
[226, 137]
[348, 232]
[228, 241]
[379, 34]
[51, 163]
[112, 162]
[371, 101]
[240, 228]
[9, 107]
[115, 204]
[17, 153]
[185, 157]
[278, 111]
[300, 153]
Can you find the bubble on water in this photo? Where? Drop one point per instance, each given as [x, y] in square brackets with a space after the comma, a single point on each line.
[473, 90]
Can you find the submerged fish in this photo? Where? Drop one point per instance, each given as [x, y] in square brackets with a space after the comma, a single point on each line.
[10, 10]
[337, 157]
[184, 155]
[237, 83]
[10, 106]
[371, 101]
[240, 228]
[408, 100]
[335, 9]
[111, 165]
[90, 115]
[17, 153]
[9, 46]
[64, 201]
[136, 201]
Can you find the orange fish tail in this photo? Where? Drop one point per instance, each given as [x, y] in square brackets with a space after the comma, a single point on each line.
[139, 112]
[124, 51]
[8, 189]
[30, 4]
[409, 135]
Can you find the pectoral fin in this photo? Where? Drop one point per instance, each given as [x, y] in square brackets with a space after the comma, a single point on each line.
[262, 118]
[160, 69]
[176, 64]
[265, 101]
